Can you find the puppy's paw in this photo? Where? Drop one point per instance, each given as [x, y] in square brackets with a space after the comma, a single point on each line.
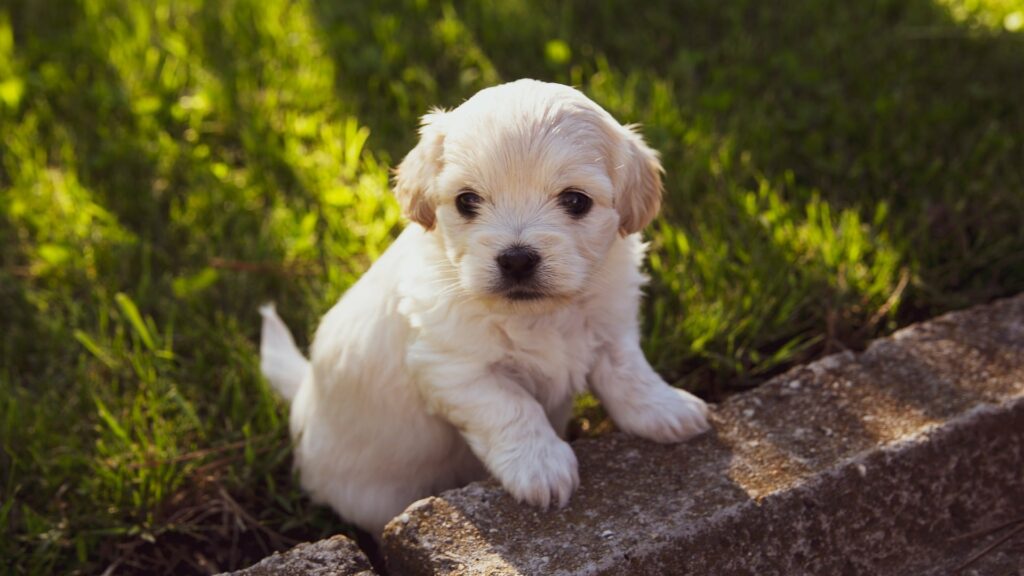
[669, 415]
[541, 473]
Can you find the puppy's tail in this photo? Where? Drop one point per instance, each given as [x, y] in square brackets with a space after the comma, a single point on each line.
[280, 359]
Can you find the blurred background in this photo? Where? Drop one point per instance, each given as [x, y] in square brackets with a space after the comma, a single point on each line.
[834, 170]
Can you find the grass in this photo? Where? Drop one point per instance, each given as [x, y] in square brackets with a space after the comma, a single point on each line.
[835, 170]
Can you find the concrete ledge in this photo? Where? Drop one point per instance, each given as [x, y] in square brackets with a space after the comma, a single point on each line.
[335, 556]
[856, 464]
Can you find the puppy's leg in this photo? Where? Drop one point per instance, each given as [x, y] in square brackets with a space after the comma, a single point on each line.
[639, 401]
[506, 428]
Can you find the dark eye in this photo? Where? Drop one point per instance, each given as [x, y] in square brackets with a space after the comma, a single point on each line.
[576, 203]
[467, 203]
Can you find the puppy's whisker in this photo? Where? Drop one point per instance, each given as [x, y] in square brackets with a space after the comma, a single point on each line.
[445, 288]
[444, 282]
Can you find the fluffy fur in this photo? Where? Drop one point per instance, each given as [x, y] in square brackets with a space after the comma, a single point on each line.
[428, 374]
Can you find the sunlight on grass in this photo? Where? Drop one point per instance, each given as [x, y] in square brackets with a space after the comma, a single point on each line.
[731, 282]
[997, 15]
[64, 231]
[282, 174]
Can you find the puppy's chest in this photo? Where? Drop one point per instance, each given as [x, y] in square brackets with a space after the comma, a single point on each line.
[550, 357]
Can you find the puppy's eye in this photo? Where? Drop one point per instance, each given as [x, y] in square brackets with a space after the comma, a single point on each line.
[576, 203]
[468, 202]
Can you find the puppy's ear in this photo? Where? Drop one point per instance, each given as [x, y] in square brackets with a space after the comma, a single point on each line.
[415, 176]
[637, 175]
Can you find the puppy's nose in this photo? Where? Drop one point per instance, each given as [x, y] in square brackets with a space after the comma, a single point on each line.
[518, 262]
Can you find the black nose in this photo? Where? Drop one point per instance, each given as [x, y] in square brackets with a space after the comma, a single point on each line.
[518, 263]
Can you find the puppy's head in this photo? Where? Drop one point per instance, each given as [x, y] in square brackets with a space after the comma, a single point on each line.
[527, 186]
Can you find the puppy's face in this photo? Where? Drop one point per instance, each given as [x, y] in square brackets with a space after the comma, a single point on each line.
[528, 184]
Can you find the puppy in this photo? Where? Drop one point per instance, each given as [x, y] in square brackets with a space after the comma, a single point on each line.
[515, 287]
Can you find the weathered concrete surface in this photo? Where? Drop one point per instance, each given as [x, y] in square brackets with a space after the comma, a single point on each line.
[856, 464]
[335, 556]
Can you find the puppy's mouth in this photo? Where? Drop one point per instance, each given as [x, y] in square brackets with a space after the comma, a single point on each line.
[524, 295]
[529, 290]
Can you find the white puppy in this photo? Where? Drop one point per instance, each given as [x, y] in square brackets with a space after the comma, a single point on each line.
[516, 286]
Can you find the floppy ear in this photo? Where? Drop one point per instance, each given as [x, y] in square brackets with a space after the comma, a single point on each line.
[415, 176]
[637, 175]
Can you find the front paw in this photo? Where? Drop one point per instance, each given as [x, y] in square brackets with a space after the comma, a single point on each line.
[541, 473]
[668, 415]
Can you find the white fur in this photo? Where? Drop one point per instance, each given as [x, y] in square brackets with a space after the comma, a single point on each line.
[280, 359]
[425, 376]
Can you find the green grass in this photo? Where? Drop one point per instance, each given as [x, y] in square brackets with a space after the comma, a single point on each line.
[835, 170]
